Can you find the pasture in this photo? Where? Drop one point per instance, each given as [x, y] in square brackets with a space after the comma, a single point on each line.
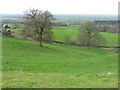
[26, 65]
[73, 30]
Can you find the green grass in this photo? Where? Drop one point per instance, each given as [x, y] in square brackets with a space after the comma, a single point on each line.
[60, 32]
[73, 30]
[16, 29]
[27, 65]
[69, 27]
[111, 39]
[56, 80]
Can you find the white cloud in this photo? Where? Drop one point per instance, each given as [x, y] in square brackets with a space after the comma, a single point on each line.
[61, 6]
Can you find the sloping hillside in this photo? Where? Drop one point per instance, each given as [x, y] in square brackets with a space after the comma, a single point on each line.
[27, 65]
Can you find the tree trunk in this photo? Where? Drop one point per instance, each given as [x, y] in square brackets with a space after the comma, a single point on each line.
[89, 47]
[40, 40]
[89, 33]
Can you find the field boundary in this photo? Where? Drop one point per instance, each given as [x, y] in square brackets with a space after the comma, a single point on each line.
[63, 43]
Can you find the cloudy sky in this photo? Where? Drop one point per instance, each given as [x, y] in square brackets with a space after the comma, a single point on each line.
[61, 6]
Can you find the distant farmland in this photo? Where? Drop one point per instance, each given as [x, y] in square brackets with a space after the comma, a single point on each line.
[73, 30]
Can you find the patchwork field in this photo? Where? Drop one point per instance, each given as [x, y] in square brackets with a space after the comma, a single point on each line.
[57, 66]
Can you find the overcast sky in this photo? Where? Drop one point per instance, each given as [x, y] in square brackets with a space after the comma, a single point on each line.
[61, 6]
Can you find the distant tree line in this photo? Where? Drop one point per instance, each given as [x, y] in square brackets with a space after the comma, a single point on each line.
[10, 21]
[101, 22]
[112, 28]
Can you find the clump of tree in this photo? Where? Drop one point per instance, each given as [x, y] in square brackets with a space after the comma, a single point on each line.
[89, 35]
[66, 39]
[31, 34]
[112, 28]
[40, 22]
[16, 26]
[70, 40]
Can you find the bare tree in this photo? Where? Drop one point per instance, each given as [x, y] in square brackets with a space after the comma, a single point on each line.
[89, 35]
[40, 21]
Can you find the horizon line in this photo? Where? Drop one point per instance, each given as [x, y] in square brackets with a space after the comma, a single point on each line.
[61, 14]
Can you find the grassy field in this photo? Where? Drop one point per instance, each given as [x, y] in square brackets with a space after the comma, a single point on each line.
[57, 66]
[73, 30]
[15, 30]
[111, 39]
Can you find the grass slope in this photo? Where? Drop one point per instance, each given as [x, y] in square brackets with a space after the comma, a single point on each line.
[27, 65]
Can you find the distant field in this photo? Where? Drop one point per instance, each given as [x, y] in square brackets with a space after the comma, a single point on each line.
[60, 32]
[64, 17]
[111, 39]
[73, 30]
[69, 27]
[15, 30]
[25, 65]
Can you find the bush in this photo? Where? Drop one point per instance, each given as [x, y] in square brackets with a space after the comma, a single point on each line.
[71, 40]
[89, 35]
[66, 39]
